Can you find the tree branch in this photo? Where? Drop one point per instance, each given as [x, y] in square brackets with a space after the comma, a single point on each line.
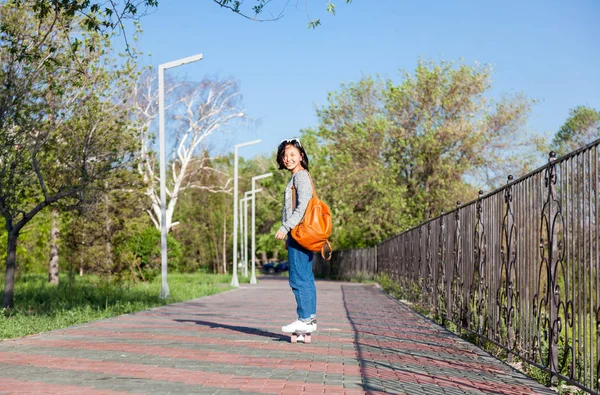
[40, 206]
[236, 9]
[38, 173]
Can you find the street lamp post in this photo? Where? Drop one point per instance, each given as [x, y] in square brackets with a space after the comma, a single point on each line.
[247, 196]
[242, 200]
[244, 229]
[164, 289]
[254, 179]
[234, 278]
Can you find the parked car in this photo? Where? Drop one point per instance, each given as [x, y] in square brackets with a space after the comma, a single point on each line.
[272, 268]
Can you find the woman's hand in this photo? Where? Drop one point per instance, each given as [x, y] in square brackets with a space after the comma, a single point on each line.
[279, 235]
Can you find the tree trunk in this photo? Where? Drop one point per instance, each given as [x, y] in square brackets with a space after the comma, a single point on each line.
[276, 255]
[215, 241]
[81, 260]
[71, 237]
[225, 244]
[54, 234]
[214, 237]
[263, 257]
[70, 275]
[9, 280]
[109, 258]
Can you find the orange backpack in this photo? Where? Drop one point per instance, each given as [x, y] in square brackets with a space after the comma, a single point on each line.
[315, 227]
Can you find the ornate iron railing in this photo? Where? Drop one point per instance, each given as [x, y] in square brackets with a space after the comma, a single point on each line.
[518, 267]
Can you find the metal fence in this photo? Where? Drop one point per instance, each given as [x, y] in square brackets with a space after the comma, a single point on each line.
[519, 267]
[347, 264]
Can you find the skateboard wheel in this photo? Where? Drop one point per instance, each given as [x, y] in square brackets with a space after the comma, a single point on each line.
[300, 337]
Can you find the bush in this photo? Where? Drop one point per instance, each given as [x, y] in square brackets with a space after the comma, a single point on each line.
[140, 253]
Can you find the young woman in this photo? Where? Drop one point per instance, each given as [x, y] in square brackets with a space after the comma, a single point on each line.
[292, 157]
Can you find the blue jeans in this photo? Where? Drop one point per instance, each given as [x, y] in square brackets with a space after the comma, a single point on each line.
[302, 279]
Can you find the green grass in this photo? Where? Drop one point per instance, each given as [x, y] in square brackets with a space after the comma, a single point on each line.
[40, 307]
[361, 277]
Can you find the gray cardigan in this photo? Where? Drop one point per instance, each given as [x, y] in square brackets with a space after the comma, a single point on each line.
[304, 191]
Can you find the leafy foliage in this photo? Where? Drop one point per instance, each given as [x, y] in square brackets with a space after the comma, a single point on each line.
[203, 214]
[419, 141]
[143, 248]
[33, 249]
[101, 17]
[581, 128]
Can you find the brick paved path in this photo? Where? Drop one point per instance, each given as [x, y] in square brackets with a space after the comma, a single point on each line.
[231, 343]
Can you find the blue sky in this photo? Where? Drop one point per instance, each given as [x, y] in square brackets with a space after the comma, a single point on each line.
[548, 50]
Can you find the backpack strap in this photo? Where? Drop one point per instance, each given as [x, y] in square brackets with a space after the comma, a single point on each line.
[313, 185]
[314, 191]
[327, 255]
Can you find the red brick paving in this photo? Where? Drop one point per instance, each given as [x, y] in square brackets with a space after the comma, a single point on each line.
[404, 340]
[219, 341]
[218, 357]
[157, 373]
[262, 362]
[31, 387]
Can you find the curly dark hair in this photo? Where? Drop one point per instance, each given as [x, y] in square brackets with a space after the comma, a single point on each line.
[281, 152]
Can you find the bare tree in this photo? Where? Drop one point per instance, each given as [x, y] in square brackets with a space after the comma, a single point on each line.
[199, 110]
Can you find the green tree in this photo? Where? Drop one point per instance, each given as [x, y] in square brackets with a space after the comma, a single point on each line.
[392, 154]
[98, 231]
[63, 127]
[445, 130]
[581, 128]
[203, 212]
[349, 168]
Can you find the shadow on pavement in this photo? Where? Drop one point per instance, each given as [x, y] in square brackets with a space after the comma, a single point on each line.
[241, 329]
[371, 382]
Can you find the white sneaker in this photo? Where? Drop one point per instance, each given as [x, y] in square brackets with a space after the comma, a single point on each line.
[299, 326]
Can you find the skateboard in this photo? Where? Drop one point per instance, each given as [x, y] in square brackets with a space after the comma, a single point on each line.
[303, 337]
